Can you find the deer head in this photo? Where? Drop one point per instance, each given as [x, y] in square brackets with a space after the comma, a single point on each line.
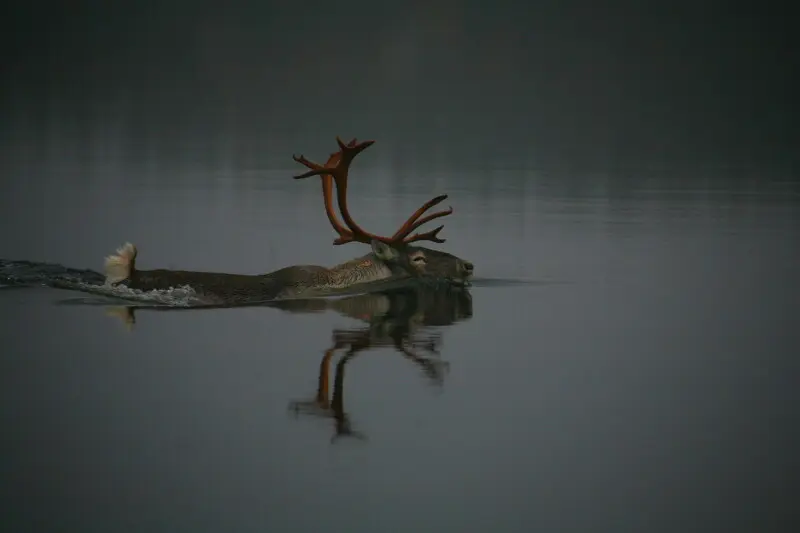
[396, 250]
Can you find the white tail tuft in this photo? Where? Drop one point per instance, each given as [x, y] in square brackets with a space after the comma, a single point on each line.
[120, 267]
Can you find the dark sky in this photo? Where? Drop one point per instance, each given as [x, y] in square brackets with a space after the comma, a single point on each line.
[591, 80]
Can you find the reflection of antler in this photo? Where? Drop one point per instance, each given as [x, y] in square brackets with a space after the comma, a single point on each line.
[320, 405]
[397, 319]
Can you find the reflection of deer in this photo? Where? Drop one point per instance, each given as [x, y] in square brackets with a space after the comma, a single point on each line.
[398, 319]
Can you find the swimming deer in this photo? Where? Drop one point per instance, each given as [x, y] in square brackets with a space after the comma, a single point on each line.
[391, 258]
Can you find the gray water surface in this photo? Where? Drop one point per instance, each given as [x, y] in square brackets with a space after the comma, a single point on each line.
[628, 361]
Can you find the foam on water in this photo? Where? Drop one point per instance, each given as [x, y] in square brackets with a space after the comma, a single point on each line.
[28, 273]
[183, 296]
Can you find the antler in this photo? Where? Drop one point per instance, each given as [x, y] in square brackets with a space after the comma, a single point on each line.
[336, 170]
[345, 235]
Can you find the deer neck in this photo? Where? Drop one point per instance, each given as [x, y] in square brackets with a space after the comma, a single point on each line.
[362, 269]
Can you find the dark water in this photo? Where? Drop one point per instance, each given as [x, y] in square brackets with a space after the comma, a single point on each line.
[624, 179]
[641, 380]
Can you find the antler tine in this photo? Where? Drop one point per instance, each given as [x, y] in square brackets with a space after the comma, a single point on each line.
[412, 223]
[426, 219]
[427, 236]
[339, 172]
[332, 159]
[416, 214]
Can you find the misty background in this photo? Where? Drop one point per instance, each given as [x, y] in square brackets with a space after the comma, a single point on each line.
[502, 83]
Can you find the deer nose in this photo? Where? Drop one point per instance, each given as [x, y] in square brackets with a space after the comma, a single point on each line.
[467, 266]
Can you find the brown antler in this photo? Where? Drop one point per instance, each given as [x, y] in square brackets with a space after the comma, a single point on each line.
[336, 169]
[345, 235]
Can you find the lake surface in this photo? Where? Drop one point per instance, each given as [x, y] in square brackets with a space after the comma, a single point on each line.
[626, 359]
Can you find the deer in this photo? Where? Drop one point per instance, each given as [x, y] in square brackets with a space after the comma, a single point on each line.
[391, 258]
[398, 319]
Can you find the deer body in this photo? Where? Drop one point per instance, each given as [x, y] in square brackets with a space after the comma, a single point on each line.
[383, 263]
[288, 282]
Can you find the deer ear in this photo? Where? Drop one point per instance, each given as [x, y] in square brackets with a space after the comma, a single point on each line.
[383, 251]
